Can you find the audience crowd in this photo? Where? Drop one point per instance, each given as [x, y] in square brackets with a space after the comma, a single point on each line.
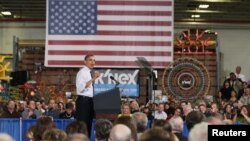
[171, 121]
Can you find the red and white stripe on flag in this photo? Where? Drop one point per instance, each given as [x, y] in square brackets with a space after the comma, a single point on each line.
[125, 30]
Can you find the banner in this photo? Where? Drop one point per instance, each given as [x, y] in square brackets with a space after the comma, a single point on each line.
[128, 79]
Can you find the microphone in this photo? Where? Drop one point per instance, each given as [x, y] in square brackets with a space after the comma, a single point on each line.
[112, 78]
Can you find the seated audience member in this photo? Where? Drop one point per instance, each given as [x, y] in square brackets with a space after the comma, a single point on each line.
[245, 98]
[203, 110]
[245, 112]
[5, 137]
[77, 127]
[156, 134]
[230, 113]
[242, 91]
[214, 108]
[54, 134]
[30, 133]
[120, 132]
[233, 97]
[10, 110]
[134, 106]
[102, 129]
[170, 109]
[77, 137]
[61, 107]
[1, 110]
[31, 112]
[147, 111]
[39, 107]
[20, 106]
[141, 121]
[125, 110]
[177, 113]
[199, 132]
[52, 109]
[68, 113]
[160, 114]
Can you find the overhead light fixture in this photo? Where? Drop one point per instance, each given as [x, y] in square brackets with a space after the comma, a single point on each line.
[6, 13]
[195, 16]
[203, 6]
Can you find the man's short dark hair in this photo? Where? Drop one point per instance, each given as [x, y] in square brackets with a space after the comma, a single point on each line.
[77, 127]
[88, 56]
[102, 129]
[193, 118]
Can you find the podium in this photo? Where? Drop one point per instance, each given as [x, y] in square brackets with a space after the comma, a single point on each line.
[107, 103]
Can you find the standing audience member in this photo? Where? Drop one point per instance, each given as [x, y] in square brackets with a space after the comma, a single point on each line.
[54, 134]
[156, 134]
[43, 123]
[30, 133]
[5, 137]
[163, 124]
[215, 119]
[141, 121]
[102, 129]
[77, 137]
[120, 132]
[225, 91]
[235, 83]
[239, 74]
[199, 132]
[77, 127]
[177, 123]
[130, 123]
[166, 126]
[194, 118]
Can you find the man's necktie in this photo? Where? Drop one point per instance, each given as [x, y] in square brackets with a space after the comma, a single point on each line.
[92, 73]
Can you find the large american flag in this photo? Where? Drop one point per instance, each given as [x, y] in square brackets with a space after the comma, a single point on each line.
[115, 31]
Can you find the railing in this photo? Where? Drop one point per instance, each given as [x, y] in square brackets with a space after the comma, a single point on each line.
[17, 127]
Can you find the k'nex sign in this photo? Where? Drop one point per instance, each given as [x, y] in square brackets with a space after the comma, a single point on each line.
[126, 80]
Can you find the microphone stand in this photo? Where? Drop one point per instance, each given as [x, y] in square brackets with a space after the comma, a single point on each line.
[151, 91]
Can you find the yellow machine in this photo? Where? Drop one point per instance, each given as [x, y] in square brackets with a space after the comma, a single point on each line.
[4, 68]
